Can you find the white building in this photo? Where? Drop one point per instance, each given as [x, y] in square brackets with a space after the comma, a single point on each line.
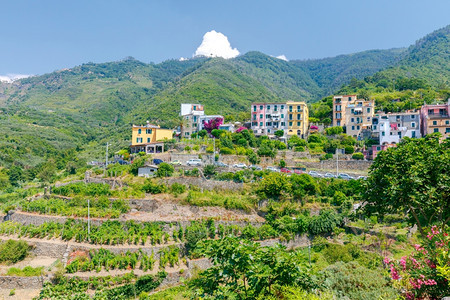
[391, 128]
[194, 117]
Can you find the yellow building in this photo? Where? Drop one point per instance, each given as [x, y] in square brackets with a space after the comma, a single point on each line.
[149, 138]
[297, 118]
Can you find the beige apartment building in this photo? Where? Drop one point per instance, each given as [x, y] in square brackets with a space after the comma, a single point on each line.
[355, 115]
[297, 118]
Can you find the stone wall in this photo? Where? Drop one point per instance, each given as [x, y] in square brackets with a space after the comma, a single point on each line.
[15, 282]
[205, 184]
[347, 165]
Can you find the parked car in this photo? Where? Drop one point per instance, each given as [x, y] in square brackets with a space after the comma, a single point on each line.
[329, 175]
[298, 171]
[240, 165]
[157, 161]
[273, 169]
[345, 176]
[194, 162]
[220, 164]
[285, 170]
[362, 177]
[176, 162]
[313, 173]
[255, 167]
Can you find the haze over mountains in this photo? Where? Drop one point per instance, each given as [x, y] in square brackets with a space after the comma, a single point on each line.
[93, 102]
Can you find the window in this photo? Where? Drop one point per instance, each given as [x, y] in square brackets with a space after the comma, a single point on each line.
[368, 110]
[447, 130]
[447, 122]
[352, 111]
[435, 123]
[353, 127]
[148, 140]
[400, 134]
[275, 108]
[149, 131]
[290, 108]
[268, 123]
[290, 124]
[368, 119]
[261, 124]
[398, 125]
[431, 112]
[282, 116]
[436, 130]
[298, 108]
[254, 117]
[338, 123]
[260, 116]
[374, 127]
[139, 140]
[260, 107]
[352, 120]
[139, 131]
[349, 98]
[298, 123]
[338, 108]
[357, 127]
[413, 125]
[195, 107]
[268, 106]
[268, 130]
[290, 116]
[299, 117]
[413, 116]
[254, 108]
[378, 148]
[413, 134]
[383, 133]
[283, 124]
[195, 118]
[338, 115]
[282, 106]
[267, 116]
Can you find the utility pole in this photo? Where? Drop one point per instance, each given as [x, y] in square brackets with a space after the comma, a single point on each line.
[337, 162]
[89, 222]
[106, 156]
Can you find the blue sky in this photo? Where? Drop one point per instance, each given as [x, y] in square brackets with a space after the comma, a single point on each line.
[46, 35]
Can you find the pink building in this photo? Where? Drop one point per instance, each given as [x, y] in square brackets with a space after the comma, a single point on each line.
[435, 118]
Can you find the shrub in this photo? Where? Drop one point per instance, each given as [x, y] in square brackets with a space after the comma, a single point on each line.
[154, 188]
[196, 148]
[187, 149]
[358, 155]
[326, 156]
[177, 188]
[352, 281]
[299, 149]
[209, 170]
[226, 151]
[25, 272]
[334, 130]
[282, 164]
[165, 170]
[13, 251]
[349, 149]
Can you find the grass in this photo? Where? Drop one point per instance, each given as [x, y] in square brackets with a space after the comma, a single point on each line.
[226, 199]
[172, 293]
[25, 272]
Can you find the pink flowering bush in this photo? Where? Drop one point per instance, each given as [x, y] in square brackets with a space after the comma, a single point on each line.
[422, 274]
[212, 124]
[240, 129]
[314, 127]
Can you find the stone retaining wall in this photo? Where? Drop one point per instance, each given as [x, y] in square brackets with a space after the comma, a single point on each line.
[16, 282]
[205, 184]
[359, 165]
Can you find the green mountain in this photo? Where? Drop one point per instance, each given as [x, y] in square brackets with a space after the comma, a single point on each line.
[331, 73]
[428, 59]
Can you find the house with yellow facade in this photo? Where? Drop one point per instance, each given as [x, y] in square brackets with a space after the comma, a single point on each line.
[297, 118]
[149, 138]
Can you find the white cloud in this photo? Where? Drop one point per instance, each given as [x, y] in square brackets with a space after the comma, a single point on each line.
[11, 77]
[182, 59]
[282, 57]
[216, 44]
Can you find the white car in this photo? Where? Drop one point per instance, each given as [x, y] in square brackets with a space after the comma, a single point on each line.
[313, 173]
[240, 165]
[329, 175]
[194, 162]
[273, 169]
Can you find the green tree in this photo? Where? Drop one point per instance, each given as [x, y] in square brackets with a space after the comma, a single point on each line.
[165, 170]
[412, 177]
[253, 158]
[274, 184]
[279, 133]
